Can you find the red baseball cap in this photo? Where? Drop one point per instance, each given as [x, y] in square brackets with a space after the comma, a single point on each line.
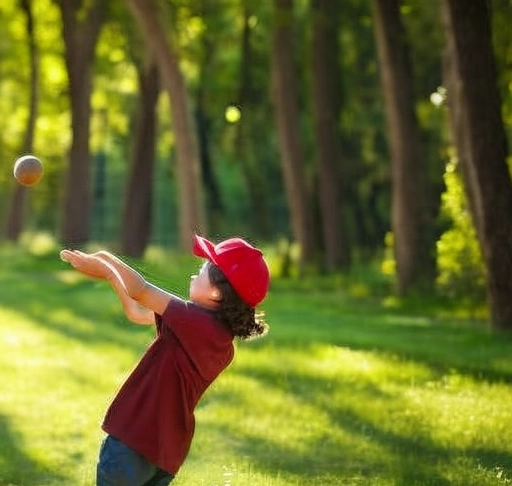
[242, 264]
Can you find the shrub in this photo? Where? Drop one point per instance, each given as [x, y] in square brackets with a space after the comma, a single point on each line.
[461, 272]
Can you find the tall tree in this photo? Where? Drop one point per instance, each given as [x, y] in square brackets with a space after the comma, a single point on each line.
[18, 202]
[285, 94]
[481, 144]
[191, 210]
[244, 142]
[81, 25]
[408, 167]
[208, 41]
[138, 195]
[325, 85]
[137, 205]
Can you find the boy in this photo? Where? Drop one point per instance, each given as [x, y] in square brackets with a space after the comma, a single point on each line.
[150, 423]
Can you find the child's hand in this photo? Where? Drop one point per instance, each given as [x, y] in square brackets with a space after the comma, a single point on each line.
[87, 264]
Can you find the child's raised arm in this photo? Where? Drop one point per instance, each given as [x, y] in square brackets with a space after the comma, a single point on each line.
[140, 299]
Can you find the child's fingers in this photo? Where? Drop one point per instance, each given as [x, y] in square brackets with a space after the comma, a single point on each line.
[72, 255]
[65, 255]
[84, 263]
[76, 260]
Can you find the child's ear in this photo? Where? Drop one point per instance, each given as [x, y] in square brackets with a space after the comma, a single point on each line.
[216, 295]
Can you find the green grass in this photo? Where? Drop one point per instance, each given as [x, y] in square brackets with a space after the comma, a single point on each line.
[345, 390]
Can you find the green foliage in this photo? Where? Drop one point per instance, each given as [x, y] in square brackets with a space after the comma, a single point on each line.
[388, 266]
[461, 270]
[51, 134]
[208, 38]
[343, 391]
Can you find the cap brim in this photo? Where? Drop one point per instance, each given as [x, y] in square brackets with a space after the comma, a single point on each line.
[204, 248]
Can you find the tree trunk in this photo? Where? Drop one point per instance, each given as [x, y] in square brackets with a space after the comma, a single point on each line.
[18, 202]
[191, 211]
[245, 152]
[483, 143]
[324, 72]
[137, 207]
[457, 118]
[213, 199]
[285, 96]
[81, 23]
[408, 171]
[213, 203]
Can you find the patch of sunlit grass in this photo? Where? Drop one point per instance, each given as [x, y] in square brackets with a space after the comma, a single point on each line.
[357, 410]
[343, 391]
[39, 243]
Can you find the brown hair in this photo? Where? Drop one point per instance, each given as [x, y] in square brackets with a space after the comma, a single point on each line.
[242, 319]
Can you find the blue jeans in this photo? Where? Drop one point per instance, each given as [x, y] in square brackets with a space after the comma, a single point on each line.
[119, 465]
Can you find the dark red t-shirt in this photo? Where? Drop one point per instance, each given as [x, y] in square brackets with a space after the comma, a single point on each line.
[153, 412]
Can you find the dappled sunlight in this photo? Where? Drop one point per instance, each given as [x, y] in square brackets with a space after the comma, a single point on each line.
[39, 243]
[66, 317]
[235, 472]
[69, 277]
[408, 321]
[371, 366]
[54, 389]
[330, 362]
[322, 405]
[14, 330]
[17, 461]
[337, 393]
[284, 429]
[256, 408]
[456, 408]
[303, 397]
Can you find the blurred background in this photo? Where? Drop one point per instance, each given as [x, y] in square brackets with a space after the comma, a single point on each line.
[338, 133]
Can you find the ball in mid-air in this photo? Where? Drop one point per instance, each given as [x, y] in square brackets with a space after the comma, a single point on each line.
[28, 170]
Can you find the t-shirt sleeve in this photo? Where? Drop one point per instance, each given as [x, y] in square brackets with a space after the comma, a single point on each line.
[206, 341]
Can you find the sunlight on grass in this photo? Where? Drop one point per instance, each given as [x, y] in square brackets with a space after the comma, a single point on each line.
[341, 392]
[54, 390]
[39, 243]
[69, 277]
[325, 399]
[457, 409]
[240, 473]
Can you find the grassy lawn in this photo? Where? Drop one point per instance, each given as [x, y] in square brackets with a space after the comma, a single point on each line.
[343, 391]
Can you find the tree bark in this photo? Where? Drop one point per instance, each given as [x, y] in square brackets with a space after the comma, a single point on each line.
[191, 210]
[213, 199]
[252, 167]
[325, 115]
[137, 207]
[287, 115]
[81, 23]
[457, 118]
[213, 203]
[482, 145]
[408, 171]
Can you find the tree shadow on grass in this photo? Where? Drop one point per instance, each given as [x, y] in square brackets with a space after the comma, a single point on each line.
[414, 459]
[45, 299]
[442, 344]
[354, 446]
[16, 466]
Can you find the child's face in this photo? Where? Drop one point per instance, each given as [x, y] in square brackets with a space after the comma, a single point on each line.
[202, 292]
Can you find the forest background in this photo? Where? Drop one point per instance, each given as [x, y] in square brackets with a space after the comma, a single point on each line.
[338, 132]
